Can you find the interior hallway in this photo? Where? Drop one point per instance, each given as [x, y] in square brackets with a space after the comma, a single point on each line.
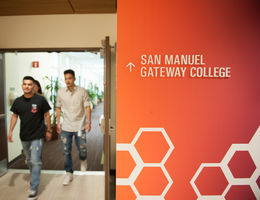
[14, 186]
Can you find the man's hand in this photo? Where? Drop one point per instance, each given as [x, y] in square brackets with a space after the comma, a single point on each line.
[48, 136]
[12, 125]
[58, 129]
[10, 135]
[88, 127]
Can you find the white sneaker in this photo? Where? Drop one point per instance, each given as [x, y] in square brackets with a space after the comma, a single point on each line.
[68, 178]
[83, 165]
[32, 195]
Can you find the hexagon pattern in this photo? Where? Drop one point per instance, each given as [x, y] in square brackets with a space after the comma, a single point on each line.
[242, 165]
[240, 192]
[241, 168]
[211, 181]
[258, 182]
[149, 179]
[122, 158]
[156, 178]
[152, 147]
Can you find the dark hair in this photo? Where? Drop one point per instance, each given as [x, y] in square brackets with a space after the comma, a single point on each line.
[28, 78]
[69, 71]
[39, 86]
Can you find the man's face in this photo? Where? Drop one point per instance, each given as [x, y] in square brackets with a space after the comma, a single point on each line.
[35, 89]
[27, 86]
[69, 80]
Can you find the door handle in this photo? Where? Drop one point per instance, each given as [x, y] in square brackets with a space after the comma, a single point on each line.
[2, 116]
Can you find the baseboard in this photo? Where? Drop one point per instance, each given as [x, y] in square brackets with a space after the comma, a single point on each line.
[18, 158]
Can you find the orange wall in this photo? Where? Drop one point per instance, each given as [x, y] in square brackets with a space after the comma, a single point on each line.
[203, 117]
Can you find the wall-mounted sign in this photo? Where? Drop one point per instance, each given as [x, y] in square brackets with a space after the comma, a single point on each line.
[35, 64]
[188, 100]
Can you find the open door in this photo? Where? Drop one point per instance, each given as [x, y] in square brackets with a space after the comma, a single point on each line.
[107, 60]
[3, 135]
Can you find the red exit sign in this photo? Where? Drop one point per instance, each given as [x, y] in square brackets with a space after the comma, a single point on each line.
[35, 64]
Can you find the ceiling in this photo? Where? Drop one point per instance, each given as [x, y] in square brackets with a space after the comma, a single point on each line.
[44, 7]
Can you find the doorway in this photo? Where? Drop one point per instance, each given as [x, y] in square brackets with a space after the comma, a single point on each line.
[106, 63]
[48, 69]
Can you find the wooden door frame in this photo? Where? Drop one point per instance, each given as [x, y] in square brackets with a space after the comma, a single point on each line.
[4, 145]
[80, 49]
[107, 56]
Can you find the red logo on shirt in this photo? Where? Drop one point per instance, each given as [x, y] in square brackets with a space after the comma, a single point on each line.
[34, 108]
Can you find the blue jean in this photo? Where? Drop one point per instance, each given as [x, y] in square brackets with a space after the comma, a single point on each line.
[33, 154]
[81, 143]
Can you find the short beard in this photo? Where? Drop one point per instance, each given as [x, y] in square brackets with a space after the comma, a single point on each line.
[31, 92]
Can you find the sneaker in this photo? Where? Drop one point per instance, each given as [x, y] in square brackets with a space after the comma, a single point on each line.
[68, 178]
[32, 195]
[83, 165]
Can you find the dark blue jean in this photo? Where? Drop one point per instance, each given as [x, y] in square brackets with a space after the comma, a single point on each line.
[81, 143]
[33, 152]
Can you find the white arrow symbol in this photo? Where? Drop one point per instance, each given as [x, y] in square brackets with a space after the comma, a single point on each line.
[130, 65]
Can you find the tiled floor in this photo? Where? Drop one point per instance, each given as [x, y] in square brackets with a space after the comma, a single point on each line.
[14, 186]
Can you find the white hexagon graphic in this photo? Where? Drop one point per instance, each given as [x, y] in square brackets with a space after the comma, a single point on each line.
[140, 164]
[253, 147]
[209, 197]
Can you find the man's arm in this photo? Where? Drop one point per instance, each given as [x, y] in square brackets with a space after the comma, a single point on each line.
[58, 111]
[48, 122]
[12, 125]
[88, 111]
